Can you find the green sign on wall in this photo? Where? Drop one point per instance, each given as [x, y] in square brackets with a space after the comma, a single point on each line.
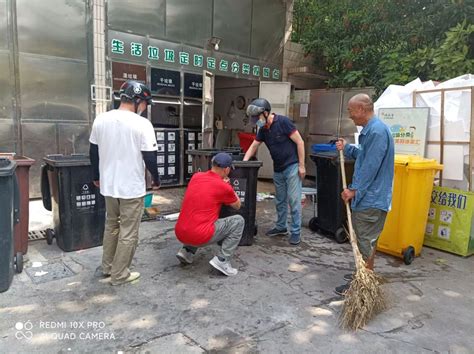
[136, 48]
[450, 221]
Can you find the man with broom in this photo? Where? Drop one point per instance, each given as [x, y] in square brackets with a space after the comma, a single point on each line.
[370, 192]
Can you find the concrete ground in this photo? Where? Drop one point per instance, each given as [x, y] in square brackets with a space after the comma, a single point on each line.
[282, 300]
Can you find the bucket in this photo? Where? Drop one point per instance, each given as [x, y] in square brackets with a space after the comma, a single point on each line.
[148, 199]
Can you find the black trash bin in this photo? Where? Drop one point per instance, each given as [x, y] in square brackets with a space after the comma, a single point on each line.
[9, 216]
[244, 181]
[202, 157]
[331, 219]
[77, 205]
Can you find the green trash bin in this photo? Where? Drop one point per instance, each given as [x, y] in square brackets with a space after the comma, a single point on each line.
[9, 216]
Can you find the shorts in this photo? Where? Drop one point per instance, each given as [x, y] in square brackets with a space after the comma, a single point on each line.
[368, 225]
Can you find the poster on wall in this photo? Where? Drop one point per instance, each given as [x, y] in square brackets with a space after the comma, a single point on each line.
[165, 82]
[408, 127]
[192, 85]
[449, 227]
[122, 72]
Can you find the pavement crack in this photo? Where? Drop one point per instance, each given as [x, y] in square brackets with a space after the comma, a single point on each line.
[194, 342]
[415, 290]
[146, 341]
[154, 338]
[382, 334]
[255, 336]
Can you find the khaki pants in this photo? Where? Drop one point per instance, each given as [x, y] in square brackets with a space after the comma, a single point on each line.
[123, 217]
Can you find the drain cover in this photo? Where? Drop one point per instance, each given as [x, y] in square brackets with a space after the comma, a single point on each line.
[36, 235]
[49, 272]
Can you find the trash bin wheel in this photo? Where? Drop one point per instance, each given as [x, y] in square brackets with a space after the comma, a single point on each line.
[409, 255]
[49, 236]
[255, 230]
[314, 224]
[340, 236]
[19, 262]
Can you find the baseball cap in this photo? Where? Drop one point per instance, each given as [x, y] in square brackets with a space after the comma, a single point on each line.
[223, 160]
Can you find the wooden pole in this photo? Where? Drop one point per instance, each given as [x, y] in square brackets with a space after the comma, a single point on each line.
[446, 89]
[441, 137]
[471, 143]
[442, 142]
[359, 262]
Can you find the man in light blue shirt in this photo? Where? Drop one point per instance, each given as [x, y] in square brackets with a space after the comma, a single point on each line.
[370, 192]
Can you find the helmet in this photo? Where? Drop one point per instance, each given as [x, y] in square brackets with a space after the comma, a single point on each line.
[256, 107]
[135, 91]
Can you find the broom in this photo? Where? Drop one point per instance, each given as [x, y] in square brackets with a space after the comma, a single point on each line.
[364, 299]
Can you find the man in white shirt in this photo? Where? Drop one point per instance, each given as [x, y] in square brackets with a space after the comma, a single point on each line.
[122, 143]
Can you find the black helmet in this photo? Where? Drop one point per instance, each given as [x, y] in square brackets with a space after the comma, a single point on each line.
[135, 91]
[256, 107]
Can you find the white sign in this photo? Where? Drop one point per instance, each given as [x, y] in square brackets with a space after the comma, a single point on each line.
[304, 110]
[301, 96]
[408, 127]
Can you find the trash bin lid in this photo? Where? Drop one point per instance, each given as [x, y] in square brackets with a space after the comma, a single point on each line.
[326, 154]
[19, 159]
[67, 160]
[417, 162]
[247, 164]
[7, 167]
[332, 155]
[212, 152]
[316, 148]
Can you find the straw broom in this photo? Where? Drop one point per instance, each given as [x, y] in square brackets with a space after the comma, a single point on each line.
[364, 298]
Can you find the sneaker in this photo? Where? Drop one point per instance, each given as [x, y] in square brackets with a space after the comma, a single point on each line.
[277, 232]
[349, 276]
[184, 256]
[342, 289]
[100, 274]
[223, 267]
[133, 276]
[295, 239]
[105, 280]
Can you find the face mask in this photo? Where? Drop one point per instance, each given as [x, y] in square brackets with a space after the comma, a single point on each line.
[139, 112]
[260, 123]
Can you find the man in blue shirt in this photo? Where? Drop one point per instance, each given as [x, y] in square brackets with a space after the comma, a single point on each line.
[287, 150]
[370, 192]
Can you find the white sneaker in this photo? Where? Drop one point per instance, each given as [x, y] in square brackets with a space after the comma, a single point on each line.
[184, 256]
[132, 277]
[223, 267]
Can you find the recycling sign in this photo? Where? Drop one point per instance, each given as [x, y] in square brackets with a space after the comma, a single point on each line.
[85, 197]
[240, 187]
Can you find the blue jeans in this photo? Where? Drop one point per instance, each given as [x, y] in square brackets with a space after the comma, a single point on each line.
[288, 191]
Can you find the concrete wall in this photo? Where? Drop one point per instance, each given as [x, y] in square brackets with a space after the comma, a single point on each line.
[299, 68]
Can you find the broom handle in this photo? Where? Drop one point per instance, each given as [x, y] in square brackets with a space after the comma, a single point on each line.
[352, 236]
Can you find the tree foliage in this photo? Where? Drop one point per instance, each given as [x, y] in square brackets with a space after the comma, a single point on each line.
[379, 42]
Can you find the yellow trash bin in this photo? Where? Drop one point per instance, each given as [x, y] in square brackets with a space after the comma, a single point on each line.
[404, 228]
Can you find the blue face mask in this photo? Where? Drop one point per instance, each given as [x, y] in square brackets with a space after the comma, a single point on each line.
[260, 123]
